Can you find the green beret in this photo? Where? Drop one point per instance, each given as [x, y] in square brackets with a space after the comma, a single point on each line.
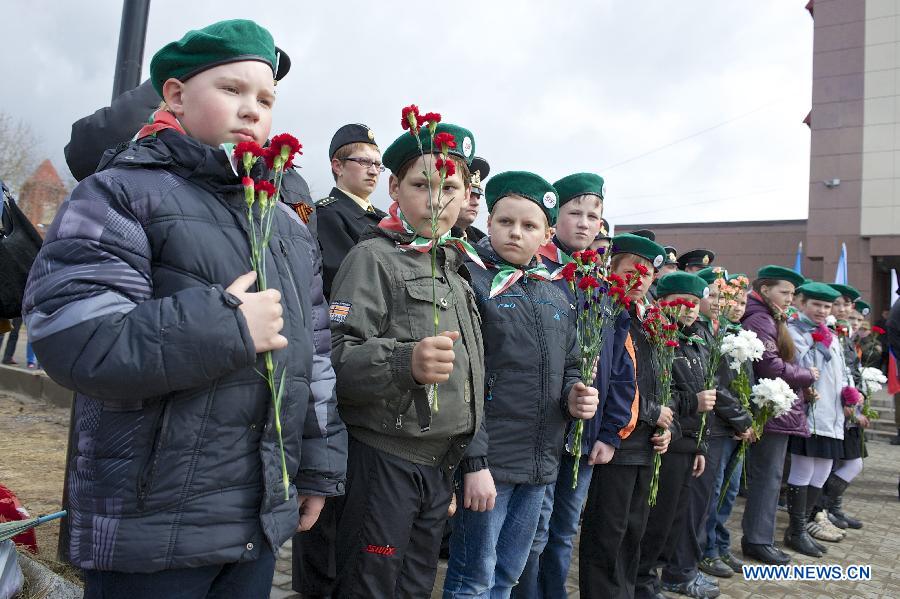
[780, 273]
[405, 147]
[819, 291]
[682, 282]
[214, 45]
[862, 307]
[627, 243]
[710, 274]
[580, 184]
[846, 290]
[528, 185]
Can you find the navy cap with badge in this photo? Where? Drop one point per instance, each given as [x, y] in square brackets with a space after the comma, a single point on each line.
[700, 257]
[671, 255]
[604, 230]
[351, 134]
[480, 169]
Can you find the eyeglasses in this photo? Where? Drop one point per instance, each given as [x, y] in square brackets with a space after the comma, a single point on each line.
[367, 163]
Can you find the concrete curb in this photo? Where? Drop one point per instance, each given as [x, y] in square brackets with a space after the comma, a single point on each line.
[34, 384]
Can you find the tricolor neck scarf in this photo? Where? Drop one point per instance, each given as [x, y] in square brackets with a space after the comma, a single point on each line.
[396, 222]
[508, 274]
[160, 120]
[553, 252]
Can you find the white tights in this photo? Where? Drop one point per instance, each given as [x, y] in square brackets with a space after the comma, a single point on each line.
[848, 469]
[809, 471]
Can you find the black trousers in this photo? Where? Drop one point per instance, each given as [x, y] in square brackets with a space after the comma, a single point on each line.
[665, 520]
[313, 568]
[686, 549]
[615, 516]
[12, 339]
[389, 525]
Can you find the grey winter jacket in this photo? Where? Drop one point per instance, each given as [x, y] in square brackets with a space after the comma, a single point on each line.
[175, 460]
[531, 364]
[824, 417]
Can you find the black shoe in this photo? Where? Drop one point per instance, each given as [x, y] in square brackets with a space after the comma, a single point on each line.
[715, 567]
[732, 562]
[767, 554]
[796, 536]
[839, 522]
[895, 440]
[699, 588]
[833, 497]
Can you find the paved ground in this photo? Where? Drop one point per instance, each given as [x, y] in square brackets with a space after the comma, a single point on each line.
[873, 497]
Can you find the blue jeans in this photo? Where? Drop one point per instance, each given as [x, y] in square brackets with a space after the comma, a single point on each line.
[29, 355]
[248, 580]
[488, 549]
[718, 539]
[551, 554]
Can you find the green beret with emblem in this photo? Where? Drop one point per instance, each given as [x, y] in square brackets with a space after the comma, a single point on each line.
[525, 184]
[848, 291]
[818, 291]
[580, 184]
[628, 243]
[405, 147]
[780, 273]
[234, 40]
[862, 307]
[710, 274]
[682, 282]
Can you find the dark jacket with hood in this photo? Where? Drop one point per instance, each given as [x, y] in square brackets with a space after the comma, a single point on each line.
[758, 318]
[175, 460]
[531, 365]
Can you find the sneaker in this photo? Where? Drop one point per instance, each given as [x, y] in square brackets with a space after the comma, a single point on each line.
[831, 526]
[10, 362]
[32, 366]
[732, 562]
[715, 567]
[700, 587]
[818, 530]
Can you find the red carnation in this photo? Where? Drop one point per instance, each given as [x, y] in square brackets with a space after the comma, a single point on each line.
[878, 330]
[411, 119]
[670, 327]
[588, 256]
[247, 182]
[689, 304]
[444, 141]
[265, 187]
[568, 271]
[664, 304]
[448, 164]
[642, 269]
[247, 147]
[671, 344]
[432, 118]
[588, 282]
[614, 278]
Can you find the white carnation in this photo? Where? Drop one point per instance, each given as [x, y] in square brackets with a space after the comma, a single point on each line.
[775, 394]
[872, 380]
[742, 347]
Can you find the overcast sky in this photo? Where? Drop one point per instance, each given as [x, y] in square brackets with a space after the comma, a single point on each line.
[553, 87]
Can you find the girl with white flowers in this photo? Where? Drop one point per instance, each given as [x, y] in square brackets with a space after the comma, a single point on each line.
[813, 457]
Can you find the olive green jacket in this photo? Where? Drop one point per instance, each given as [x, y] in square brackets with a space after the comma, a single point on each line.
[381, 306]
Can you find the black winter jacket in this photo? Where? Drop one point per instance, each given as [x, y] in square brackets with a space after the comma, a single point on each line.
[531, 364]
[688, 379]
[175, 460]
[729, 416]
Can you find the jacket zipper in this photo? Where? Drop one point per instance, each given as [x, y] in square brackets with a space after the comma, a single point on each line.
[542, 405]
[490, 387]
[287, 267]
[147, 472]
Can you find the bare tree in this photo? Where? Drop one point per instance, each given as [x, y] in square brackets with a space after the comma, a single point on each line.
[18, 151]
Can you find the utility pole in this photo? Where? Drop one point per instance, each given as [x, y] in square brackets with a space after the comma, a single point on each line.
[132, 35]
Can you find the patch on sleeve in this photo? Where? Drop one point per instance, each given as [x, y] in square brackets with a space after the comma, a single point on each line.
[770, 346]
[339, 311]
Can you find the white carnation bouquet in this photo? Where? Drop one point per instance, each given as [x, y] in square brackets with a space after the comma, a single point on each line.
[772, 397]
[873, 381]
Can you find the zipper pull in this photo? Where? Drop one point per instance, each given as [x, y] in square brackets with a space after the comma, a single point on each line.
[283, 249]
[399, 423]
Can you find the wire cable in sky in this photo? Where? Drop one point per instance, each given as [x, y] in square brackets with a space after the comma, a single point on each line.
[691, 136]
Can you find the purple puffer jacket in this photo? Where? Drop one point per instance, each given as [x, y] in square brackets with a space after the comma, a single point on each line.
[758, 318]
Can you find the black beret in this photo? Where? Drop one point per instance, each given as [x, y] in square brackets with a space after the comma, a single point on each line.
[351, 134]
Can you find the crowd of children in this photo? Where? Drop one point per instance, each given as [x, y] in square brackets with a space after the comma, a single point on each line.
[429, 371]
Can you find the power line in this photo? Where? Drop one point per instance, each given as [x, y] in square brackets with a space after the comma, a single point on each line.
[691, 136]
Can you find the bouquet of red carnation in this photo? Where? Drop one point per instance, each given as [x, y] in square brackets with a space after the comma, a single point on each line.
[600, 298]
[660, 323]
[261, 198]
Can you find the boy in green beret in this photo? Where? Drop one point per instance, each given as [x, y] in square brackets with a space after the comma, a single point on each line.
[412, 400]
[533, 391]
[615, 515]
[142, 303]
[579, 220]
[685, 460]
